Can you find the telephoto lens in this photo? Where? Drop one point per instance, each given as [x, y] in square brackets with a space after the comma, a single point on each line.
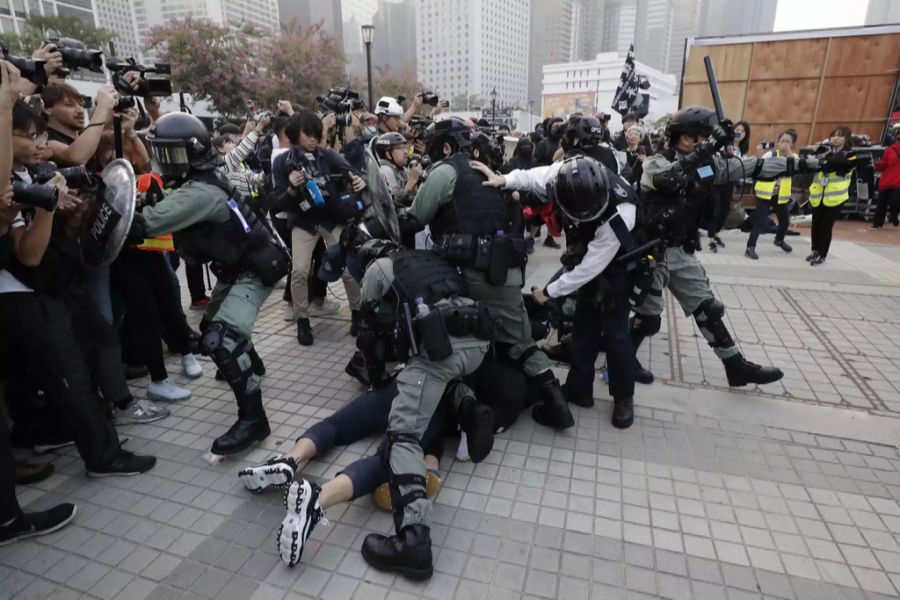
[76, 177]
[36, 195]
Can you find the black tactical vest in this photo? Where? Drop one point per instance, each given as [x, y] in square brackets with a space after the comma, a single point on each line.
[675, 217]
[227, 244]
[474, 209]
[424, 274]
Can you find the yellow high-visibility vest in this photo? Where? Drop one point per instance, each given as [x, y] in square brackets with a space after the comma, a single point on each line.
[160, 243]
[765, 190]
[830, 188]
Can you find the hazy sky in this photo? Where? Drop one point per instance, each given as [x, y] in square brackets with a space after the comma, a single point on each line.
[792, 15]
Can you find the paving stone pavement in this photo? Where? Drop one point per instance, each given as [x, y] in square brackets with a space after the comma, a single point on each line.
[739, 495]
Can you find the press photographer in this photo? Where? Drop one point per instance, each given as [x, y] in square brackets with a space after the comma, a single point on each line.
[71, 142]
[401, 172]
[309, 180]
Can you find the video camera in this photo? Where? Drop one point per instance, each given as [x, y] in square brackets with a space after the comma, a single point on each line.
[422, 160]
[419, 125]
[37, 195]
[76, 56]
[159, 85]
[29, 68]
[76, 177]
[341, 101]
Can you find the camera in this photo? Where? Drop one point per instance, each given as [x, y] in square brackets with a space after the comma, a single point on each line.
[158, 85]
[76, 56]
[36, 195]
[76, 177]
[422, 161]
[340, 101]
[430, 98]
[29, 68]
[124, 103]
[419, 124]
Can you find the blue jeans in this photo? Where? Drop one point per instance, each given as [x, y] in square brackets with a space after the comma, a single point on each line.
[98, 290]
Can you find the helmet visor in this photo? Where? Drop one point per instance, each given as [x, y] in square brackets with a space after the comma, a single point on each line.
[172, 160]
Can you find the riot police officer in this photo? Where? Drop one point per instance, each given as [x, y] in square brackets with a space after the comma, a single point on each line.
[472, 225]
[585, 136]
[600, 209]
[213, 224]
[674, 187]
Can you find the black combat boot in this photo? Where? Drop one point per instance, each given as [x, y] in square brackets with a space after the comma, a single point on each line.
[304, 332]
[623, 413]
[259, 368]
[354, 323]
[642, 375]
[741, 371]
[408, 553]
[251, 426]
[356, 368]
[477, 420]
[553, 410]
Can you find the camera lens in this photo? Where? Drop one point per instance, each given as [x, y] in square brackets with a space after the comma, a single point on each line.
[37, 195]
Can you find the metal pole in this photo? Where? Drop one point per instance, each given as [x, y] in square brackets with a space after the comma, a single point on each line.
[369, 72]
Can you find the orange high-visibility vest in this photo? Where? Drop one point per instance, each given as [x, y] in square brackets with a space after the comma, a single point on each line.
[159, 243]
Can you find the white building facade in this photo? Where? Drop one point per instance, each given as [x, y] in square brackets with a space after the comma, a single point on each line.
[589, 86]
[473, 47]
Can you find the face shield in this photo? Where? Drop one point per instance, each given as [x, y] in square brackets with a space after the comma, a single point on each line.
[171, 160]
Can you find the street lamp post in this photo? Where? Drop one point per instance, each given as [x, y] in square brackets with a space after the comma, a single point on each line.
[368, 34]
[493, 105]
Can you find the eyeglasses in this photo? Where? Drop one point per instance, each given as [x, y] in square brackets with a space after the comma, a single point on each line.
[34, 137]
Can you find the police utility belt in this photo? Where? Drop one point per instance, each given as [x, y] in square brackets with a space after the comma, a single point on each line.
[430, 333]
[493, 255]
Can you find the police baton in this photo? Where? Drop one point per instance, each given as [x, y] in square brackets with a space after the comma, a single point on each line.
[717, 99]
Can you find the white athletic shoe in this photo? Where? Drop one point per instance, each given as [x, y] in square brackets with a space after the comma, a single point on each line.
[326, 307]
[303, 514]
[288, 314]
[191, 366]
[462, 452]
[278, 471]
[167, 391]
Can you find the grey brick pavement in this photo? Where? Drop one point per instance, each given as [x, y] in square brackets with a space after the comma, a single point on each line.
[688, 503]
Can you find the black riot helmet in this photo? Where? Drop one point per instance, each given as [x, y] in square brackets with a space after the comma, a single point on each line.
[385, 142]
[180, 142]
[693, 121]
[589, 131]
[581, 189]
[453, 131]
[489, 152]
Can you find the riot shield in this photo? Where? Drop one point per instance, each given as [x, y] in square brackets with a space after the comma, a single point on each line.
[380, 216]
[106, 226]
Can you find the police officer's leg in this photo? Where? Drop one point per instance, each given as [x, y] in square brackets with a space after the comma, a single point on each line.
[226, 338]
[647, 318]
[350, 285]
[585, 347]
[506, 304]
[690, 286]
[420, 388]
[620, 362]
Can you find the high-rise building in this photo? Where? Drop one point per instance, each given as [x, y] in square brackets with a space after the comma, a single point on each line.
[474, 47]
[118, 16]
[260, 13]
[309, 12]
[735, 18]
[552, 39]
[14, 12]
[395, 35]
[882, 12]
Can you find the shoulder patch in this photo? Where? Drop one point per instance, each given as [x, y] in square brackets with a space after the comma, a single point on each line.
[620, 191]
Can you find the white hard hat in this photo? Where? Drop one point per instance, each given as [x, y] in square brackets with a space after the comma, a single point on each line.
[389, 107]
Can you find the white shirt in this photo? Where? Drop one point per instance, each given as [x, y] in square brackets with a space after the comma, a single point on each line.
[601, 250]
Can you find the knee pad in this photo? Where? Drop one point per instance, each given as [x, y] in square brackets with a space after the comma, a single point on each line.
[395, 480]
[710, 309]
[645, 325]
[212, 344]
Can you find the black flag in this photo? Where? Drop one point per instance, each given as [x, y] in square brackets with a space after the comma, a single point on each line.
[627, 91]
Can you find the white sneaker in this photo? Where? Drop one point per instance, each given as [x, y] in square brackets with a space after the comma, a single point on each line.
[462, 452]
[303, 514]
[167, 391]
[326, 307]
[191, 366]
[278, 471]
[289, 314]
[139, 412]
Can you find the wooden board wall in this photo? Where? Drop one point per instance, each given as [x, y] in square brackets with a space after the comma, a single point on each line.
[811, 85]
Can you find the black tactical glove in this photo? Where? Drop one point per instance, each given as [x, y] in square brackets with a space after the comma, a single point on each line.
[138, 231]
[838, 163]
[723, 133]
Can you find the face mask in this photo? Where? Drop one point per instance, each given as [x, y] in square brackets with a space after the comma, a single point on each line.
[369, 130]
[738, 135]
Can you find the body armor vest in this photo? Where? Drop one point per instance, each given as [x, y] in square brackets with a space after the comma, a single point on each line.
[423, 274]
[675, 218]
[474, 209]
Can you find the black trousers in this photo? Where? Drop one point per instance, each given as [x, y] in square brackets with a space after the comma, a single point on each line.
[9, 505]
[598, 327]
[761, 220]
[823, 220]
[195, 281]
[888, 203]
[152, 302]
[40, 331]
